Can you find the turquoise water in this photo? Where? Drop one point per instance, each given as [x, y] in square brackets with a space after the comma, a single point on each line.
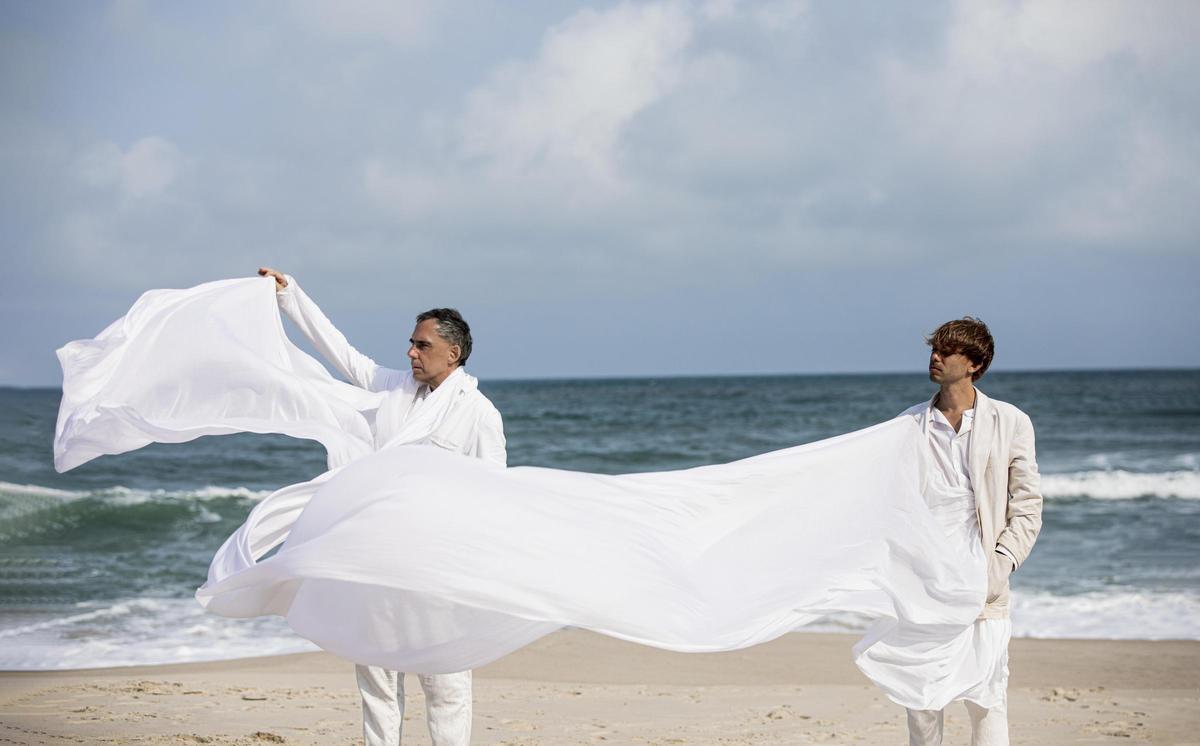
[97, 566]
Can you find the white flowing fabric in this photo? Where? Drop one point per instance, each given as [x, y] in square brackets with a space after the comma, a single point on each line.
[417, 559]
[971, 664]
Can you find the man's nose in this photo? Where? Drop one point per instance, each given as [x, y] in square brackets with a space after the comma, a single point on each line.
[412, 352]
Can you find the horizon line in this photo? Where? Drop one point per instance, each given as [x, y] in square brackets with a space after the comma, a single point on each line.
[811, 374]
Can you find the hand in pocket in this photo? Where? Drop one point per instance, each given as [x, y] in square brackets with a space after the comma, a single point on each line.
[1001, 567]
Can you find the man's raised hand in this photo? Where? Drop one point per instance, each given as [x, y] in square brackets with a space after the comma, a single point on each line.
[280, 279]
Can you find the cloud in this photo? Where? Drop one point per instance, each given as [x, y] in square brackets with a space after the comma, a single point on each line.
[147, 168]
[700, 160]
[1011, 77]
[563, 113]
[1151, 192]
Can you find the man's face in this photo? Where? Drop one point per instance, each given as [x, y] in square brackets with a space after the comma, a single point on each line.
[432, 358]
[947, 368]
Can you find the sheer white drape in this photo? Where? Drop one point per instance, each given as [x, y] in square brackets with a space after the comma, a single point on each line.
[421, 560]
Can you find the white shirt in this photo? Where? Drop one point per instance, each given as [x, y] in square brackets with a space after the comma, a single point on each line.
[951, 450]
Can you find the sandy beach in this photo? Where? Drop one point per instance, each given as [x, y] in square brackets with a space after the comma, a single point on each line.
[579, 688]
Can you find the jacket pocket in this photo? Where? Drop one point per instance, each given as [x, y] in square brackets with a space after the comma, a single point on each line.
[999, 569]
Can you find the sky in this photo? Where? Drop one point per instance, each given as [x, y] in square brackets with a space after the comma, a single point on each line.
[616, 189]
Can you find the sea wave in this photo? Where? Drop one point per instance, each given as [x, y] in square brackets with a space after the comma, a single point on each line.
[31, 511]
[1126, 615]
[1130, 615]
[128, 495]
[1142, 462]
[1102, 484]
[1122, 485]
[146, 631]
[140, 631]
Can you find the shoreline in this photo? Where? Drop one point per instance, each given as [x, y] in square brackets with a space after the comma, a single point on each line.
[269, 660]
[576, 687]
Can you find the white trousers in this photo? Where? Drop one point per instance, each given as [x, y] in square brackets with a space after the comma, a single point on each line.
[447, 706]
[989, 725]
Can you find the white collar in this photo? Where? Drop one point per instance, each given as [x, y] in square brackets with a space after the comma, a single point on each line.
[935, 414]
[968, 414]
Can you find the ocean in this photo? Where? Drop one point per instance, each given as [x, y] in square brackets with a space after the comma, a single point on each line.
[98, 566]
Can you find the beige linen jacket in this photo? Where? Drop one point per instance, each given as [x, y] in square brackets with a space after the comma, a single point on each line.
[1004, 476]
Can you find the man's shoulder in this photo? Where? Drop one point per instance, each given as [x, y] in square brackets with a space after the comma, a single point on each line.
[916, 410]
[486, 408]
[1007, 411]
[478, 405]
[1003, 408]
[479, 399]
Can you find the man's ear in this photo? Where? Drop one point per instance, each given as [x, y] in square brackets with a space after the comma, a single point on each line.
[455, 353]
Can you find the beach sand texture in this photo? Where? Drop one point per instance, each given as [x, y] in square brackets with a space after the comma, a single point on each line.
[580, 688]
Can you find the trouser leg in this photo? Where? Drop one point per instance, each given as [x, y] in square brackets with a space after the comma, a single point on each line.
[382, 705]
[989, 725]
[448, 706]
[925, 727]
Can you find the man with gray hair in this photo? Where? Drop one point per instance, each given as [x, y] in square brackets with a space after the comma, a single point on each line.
[436, 402]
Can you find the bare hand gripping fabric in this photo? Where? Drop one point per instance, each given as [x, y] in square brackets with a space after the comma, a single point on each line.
[417, 559]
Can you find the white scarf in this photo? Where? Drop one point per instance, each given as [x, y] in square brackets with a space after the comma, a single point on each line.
[420, 419]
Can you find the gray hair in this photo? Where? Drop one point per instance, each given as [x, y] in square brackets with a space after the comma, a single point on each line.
[452, 327]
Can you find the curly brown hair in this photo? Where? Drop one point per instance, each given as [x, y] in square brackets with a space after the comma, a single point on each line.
[968, 336]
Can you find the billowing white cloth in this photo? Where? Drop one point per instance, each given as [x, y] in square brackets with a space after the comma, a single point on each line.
[973, 663]
[422, 560]
[979, 671]
[210, 360]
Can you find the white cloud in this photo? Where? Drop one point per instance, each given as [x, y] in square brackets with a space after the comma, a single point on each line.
[562, 114]
[147, 168]
[1150, 192]
[1039, 109]
[696, 148]
[1010, 73]
[1073, 34]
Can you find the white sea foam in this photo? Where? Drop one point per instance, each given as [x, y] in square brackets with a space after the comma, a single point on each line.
[141, 632]
[1106, 484]
[1123, 485]
[33, 490]
[1118, 616]
[121, 495]
[1107, 616]
[149, 631]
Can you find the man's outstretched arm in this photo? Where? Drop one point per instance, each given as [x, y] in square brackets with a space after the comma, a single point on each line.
[356, 367]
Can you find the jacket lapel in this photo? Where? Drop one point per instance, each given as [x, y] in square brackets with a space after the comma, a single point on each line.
[983, 432]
